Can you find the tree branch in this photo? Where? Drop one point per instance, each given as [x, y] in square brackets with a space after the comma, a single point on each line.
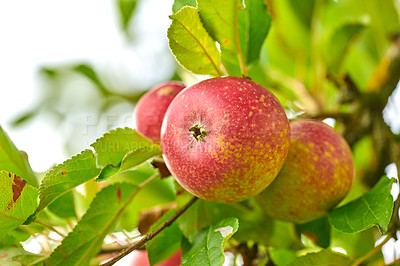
[49, 227]
[150, 235]
[372, 252]
[322, 116]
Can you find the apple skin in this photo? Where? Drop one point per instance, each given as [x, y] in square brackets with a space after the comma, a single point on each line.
[245, 140]
[151, 108]
[140, 258]
[317, 175]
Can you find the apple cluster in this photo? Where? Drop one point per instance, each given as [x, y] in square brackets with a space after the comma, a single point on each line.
[228, 139]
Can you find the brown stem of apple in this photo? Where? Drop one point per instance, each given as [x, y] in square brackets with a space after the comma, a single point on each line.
[372, 252]
[150, 235]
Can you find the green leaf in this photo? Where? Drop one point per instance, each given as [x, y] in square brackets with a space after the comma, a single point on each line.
[258, 28]
[15, 161]
[18, 200]
[87, 237]
[122, 149]
[126, 9]
[254, 225]
[108, 172]
[64, 206]
[324, 257]
[239, 31]
[166, 243]
[178, 4]
[340, 43]
[374, 208]
[132, 159]
[64, 177]
[16, 256]
[198, 216]
[208, 247]
[220, 18]
[319, 231]
[193, 48]
[116, 144]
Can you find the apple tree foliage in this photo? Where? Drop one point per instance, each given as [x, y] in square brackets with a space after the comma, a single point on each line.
[321, 58]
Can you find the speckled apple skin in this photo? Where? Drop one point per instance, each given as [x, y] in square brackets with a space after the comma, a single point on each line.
[246, 145]
[150, 109]
[317, 175]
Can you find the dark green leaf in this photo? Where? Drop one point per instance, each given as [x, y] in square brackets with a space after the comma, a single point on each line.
[126, 9]
[178, 4]
[193, 48]
[66, 176]
[79, 247]
[14, 161]
[16, 256]
[64, 206]
[166, 243]
[259, 24]
[324, 257]
[108, 172]
[18, 200]
[374, 208]
[208, 247]
[319, 231]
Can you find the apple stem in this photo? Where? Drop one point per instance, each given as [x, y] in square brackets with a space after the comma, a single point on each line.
[199, 132]
[150, 235]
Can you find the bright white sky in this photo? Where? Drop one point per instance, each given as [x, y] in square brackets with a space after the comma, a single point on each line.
[47, 32]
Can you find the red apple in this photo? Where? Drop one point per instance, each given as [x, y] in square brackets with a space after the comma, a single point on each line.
[317, 175]
[140, 258]
[225, 139]
[151, 108]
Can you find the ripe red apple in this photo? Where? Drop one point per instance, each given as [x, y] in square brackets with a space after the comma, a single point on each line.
[140, 258]
[225, 139]
[151, 108]
[317, 175]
